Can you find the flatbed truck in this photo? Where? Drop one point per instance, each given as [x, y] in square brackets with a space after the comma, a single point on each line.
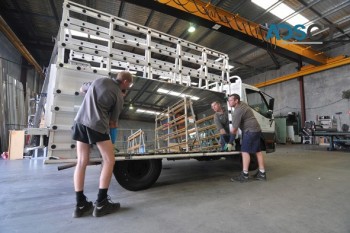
[91, 44]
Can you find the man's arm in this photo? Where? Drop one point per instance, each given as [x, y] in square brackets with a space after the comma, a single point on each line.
[236, 119]
[218, 124]
[113, 124]
[222, 131]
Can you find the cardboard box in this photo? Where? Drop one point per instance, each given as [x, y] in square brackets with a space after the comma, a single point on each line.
[323, 141]
[16, 144]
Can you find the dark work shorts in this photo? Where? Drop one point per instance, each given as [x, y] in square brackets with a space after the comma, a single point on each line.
[251, 142]
[84, 134]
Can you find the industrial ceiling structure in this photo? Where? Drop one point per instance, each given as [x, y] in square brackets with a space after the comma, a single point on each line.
[235, 27]
[36, 24]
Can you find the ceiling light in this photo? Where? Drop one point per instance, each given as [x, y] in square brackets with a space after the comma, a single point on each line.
[177, 94]
[131, 107]
[192, 28]
[216, 26]
[147, 112]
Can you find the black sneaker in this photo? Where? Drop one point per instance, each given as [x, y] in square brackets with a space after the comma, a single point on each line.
[105, 207]
[241, 178]
[83, 210]
[260, 175]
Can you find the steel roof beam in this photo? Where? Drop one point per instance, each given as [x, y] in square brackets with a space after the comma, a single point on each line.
[243, 29]
[307, 70]
[19, 45]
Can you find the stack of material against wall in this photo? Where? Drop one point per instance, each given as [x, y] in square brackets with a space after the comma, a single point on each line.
[12, 114]
[2, 121]
[11, 66]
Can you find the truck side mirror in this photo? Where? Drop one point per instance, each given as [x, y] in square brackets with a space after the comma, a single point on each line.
[271, 104]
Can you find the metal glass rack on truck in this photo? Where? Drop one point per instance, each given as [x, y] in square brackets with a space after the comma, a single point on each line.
[91, 44]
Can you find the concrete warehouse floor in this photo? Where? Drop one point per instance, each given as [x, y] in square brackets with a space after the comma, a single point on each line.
[308, 190]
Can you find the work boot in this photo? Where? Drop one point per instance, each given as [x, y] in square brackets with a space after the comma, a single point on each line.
[105, 207]
[260, 175]
[83, 210]
[241, 178]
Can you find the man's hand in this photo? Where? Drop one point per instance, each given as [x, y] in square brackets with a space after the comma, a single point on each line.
[222, 131]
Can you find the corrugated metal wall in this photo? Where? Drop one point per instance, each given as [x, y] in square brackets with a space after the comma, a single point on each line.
[13, 100]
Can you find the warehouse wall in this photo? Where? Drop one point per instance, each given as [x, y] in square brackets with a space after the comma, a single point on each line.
[323, 91]
[14, 103]
[10, 64]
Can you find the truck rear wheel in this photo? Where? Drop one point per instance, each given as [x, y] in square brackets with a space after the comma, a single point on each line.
[137, 174]
[253, 165]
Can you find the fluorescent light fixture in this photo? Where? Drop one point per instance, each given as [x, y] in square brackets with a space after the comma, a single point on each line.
[139, 110]
[192, 28]
[264, 3]
[177, 94]
[216, 26]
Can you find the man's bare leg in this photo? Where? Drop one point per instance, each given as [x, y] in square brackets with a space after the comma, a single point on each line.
[83, 152]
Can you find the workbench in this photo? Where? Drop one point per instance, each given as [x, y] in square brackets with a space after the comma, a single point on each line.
[333, 137]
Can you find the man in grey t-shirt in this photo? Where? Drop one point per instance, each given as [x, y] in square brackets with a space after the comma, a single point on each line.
[223, 126]
[95, 123]
[243, 118]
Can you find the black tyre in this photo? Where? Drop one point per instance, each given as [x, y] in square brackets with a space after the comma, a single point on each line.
[137, 174]
[253, 165]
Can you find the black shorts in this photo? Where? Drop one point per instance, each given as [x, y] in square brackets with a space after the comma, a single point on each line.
[251, 142]
[84, 134]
